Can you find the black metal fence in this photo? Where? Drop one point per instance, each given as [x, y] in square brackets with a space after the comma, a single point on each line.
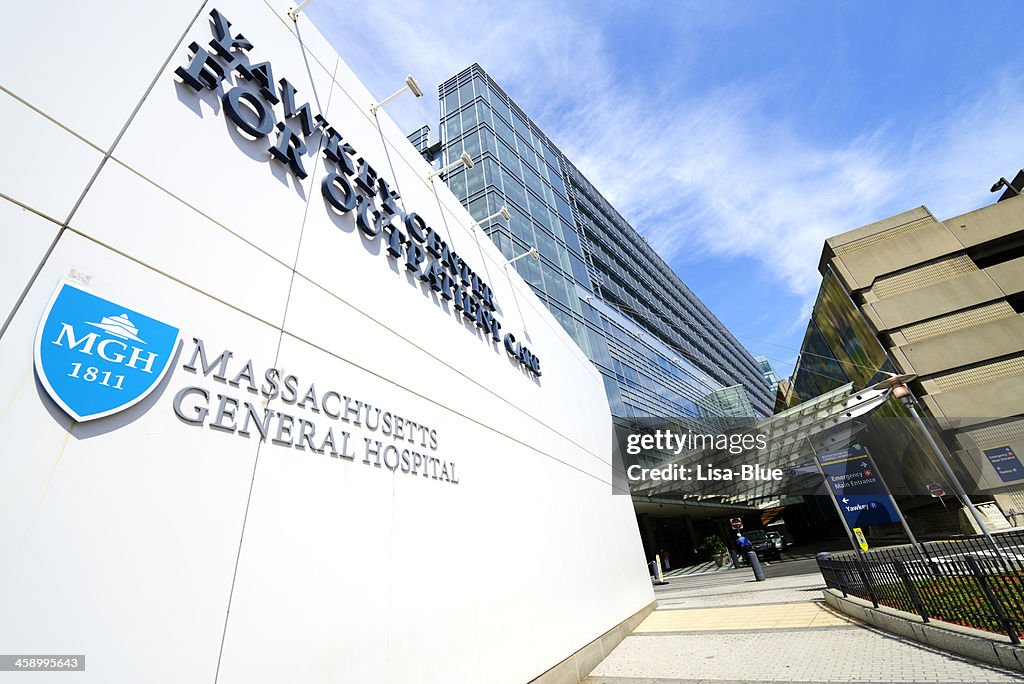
[968, 581]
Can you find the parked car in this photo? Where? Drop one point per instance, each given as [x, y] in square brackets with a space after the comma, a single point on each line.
[764, 547]
[778, 540]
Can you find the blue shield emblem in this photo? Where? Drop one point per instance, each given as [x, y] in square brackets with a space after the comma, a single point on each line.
[96, 357]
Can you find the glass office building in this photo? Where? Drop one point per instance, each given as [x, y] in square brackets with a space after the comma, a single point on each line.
[425, 144]
[660, 350]
[769, 373]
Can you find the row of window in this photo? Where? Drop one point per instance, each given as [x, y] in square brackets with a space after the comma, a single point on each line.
[656, 379]
[518, 174]
[455, 97]
[526, 171]
[552, 214]
[498, 136]
[660, 383]
[651, 375]
[741, 363]
[638, 373]
[543, 276]
[475, 89]
[532, 233]
[701, 346]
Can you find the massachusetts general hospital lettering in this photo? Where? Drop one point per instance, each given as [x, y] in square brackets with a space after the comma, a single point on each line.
[95, 358]
[325, 410]
[351, 183]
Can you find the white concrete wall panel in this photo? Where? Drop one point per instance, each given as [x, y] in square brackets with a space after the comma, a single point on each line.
[26, 237]
[180, 140]
[131, 535]
[43, 166]
[121, 534]
[88, 64]
[133, 216]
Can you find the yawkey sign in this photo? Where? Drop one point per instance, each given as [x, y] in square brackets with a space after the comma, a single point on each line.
[853, 480]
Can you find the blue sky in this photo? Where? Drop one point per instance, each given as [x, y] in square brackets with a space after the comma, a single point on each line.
[735, 136]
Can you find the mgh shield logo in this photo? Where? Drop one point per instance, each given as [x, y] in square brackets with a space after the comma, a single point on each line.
[96, 357]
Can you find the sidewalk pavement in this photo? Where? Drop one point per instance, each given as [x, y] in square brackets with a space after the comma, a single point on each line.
[724, 626]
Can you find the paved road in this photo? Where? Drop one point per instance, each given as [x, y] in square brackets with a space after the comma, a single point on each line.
[724, 627]
[792, 553]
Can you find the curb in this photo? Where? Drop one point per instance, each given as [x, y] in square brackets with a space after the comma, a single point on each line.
[994, 649]
[577, 666]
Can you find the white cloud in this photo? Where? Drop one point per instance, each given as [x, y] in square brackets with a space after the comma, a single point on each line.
[699, 173]
[535, 49]
[715, 175]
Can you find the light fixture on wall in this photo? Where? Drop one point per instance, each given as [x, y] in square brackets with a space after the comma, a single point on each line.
[1003, 183]
[410, 84]
[502, 213]
[293, 14]
[532, 253]
[463, 160]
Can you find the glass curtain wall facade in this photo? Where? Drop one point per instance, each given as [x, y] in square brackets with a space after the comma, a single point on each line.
[660, 350]
[424, 144]
[769, 373]
[420, 139]
[840, 347]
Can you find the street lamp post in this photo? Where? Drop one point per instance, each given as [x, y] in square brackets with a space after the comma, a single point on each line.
[903, 393]
[898, 385]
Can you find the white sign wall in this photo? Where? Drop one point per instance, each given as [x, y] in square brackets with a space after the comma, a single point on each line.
[172, 551]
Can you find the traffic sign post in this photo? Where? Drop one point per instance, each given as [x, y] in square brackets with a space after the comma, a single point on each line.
[849, 533]
[853, 480]
[858, 491]
[839, 510]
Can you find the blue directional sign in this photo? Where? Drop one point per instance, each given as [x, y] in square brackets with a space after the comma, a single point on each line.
[857, 487]
[1006, 463]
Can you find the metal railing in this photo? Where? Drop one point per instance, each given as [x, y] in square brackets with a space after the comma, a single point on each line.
[965, 581]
